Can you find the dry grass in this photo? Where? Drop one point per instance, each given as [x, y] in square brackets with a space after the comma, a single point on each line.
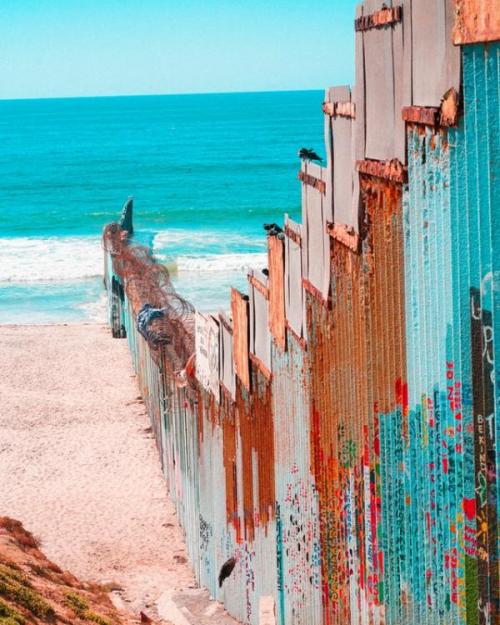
[33, 590]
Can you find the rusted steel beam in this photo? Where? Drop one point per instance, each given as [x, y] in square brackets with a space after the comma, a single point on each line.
[317, 184]
[340, 109]
[426, 115]
[477, 21]
[259, 286]
[446, 115]
[295, 236]
[345, 235]
[450, 108]
[261, 366]
[384, 17]
[310, 288]
[389, 170]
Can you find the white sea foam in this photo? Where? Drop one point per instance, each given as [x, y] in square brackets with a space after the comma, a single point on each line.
[27, 259]
[209, 250]
[38, 259]
[222, 242]
[97, 310]
[221, 262]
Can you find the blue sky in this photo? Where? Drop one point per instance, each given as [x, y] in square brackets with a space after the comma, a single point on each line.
[60, 48]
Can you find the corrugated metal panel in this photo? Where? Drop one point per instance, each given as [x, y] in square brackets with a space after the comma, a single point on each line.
[327, 124]
[475, 161]
[260, 336]
[476, 21]
[357, 373]
[344, 172]
[435, 60]
[297, 529]
[359, 130]
[276, 256]
[294, 294]
[226, 356]
[315, 214]
[239, 308]
[450, 258]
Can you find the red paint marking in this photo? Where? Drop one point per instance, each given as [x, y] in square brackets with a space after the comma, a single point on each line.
[445, 465]
[469, 508]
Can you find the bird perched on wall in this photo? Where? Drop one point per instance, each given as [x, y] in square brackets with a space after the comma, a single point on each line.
[308, 154]
[226, 570]
[272, 229]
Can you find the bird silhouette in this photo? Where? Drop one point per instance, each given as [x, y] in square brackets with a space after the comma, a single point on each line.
[272, 229]
[308, 154]
[226, 570]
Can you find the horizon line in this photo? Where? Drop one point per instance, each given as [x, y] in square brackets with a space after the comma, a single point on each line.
[155, 95]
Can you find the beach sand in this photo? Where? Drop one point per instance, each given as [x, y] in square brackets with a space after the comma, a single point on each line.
[79, 468]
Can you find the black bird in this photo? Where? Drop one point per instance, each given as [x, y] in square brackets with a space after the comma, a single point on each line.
[226, 570]
[272, 229]
[308, 154]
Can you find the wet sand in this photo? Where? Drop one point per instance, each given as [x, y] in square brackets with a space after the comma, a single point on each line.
[79, 468]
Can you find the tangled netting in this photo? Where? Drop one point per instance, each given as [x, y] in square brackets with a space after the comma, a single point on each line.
[164, 318]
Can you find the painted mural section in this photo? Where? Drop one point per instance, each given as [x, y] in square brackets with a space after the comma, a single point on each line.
[338, 434]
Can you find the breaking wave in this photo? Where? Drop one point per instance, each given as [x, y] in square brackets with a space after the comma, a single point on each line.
[27, 259]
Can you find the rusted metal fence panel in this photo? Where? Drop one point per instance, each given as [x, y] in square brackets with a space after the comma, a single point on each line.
[213, 548]
[359, 93]
[452, 332]
[260, 336]
[294, 293]
[276, 262]
[477, 21]
[316, 212]
[435, 60]
[297, 530]
[475, 160]
[345, 205]
[357, 393]
[383, 87]
[226, 358]
[239, 308]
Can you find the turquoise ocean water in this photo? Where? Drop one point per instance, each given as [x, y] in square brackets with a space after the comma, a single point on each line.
[205, 171]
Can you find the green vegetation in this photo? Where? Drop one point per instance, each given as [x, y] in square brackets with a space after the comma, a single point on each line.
[100, 620]
[81, 609]
[76, 603]
[10, 616]
[16, 588]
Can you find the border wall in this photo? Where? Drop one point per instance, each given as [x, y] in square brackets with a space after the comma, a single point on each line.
[339, 434]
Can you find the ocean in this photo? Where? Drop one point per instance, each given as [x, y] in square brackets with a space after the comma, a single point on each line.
[206, 172]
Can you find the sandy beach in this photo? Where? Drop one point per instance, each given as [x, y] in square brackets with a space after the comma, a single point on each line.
[79, 468]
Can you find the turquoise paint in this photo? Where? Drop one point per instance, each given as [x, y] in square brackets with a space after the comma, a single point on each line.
[450, 244]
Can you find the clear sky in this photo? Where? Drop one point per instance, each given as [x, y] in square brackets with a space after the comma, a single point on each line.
[59, 48]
